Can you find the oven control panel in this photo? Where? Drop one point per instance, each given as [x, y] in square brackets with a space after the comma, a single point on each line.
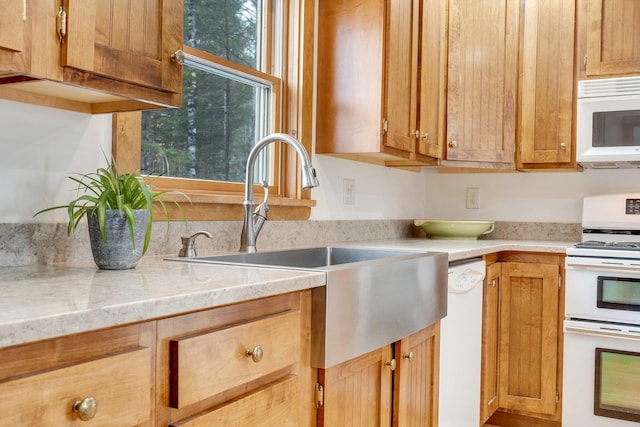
[632, 207]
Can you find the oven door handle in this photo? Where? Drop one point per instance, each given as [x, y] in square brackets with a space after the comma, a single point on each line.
[602, 330]
[602, 265]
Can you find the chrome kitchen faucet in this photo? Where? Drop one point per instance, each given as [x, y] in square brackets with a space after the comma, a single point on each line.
[254, 220]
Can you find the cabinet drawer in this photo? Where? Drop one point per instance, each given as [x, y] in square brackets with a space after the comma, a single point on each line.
[208, 363]
[273, 405]
[120, 383]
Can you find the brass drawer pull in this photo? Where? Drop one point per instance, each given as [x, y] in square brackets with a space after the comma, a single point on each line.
[256, 354]
[409, 356]
[86, 408]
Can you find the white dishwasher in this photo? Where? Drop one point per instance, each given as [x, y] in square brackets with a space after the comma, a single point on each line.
[461, 346]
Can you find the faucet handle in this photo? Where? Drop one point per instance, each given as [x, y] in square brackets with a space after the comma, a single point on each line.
[188, 244]
[263, 207]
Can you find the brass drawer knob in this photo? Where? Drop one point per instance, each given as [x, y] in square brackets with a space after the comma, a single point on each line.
[452, 144]
[563, 145]
[409, 356]
[86, 408]
[256, 353]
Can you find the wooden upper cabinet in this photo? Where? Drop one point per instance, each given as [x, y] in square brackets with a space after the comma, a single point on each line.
[115, 54]
[349, 88]
[130, 41]
[371, 101]
[14, 36]
[415, 98]
[482, 81]
[433, 75]
[547, 85]
[403, 44]
[612, 37]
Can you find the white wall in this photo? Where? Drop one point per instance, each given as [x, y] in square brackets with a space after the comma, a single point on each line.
[542, 197]
[381, 193]
[41, 146]
[388, 193]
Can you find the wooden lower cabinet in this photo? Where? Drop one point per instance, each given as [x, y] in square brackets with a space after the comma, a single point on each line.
[240, 364]
[395, 385]
[273, 405]
[417, 379]
[42, 383]
[527, 339]
[490, 342]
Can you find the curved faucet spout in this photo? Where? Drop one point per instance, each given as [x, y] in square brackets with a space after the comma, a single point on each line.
[252, 225]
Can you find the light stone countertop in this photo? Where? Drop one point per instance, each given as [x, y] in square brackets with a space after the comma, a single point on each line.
[40, 302]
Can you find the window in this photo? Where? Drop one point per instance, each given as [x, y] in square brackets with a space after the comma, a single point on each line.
[229, 102]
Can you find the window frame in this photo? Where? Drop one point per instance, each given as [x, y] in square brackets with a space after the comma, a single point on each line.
[212, 200]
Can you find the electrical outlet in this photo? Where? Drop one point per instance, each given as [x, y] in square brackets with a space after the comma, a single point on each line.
[349, 191]
[473, 198]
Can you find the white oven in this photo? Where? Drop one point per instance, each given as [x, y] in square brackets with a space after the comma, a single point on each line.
[601, 373]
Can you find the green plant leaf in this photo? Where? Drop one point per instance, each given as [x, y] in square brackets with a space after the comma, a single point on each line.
[110, 188]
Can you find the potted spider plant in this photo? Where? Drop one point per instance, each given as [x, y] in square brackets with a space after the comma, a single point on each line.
[118, 207]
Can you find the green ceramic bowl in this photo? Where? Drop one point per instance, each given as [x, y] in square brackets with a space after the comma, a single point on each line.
[461, 230]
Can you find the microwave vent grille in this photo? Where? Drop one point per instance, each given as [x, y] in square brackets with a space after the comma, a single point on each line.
[622, 86]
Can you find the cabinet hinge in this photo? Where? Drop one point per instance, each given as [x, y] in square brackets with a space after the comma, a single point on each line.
[559, 281]
[319, 395]
[385, 126]
[62, 23]
[557, 396]
[24, 10]
[584, 60]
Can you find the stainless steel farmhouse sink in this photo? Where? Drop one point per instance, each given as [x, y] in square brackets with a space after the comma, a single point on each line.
[372, 298]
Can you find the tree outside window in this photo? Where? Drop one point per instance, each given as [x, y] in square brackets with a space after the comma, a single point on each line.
[224, 112]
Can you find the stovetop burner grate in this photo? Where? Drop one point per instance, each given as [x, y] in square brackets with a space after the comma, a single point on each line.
[595, 244]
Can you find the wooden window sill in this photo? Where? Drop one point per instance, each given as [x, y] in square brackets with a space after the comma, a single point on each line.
[221, 207]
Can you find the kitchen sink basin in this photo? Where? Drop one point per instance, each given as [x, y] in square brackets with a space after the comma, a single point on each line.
[307, 258]
[372, 298]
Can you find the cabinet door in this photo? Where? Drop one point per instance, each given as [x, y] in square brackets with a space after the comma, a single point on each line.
[529, 337]
[350, 76]
[433, 74]
[416, 44]
[402, 74]
[482, 81]
[416, 382]
[613, 37]
[490, 342]
[131, 41]
[547, 81]
[15, 36]
[357, 393]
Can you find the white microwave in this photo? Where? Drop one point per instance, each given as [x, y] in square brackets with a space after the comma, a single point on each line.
[608, 123]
